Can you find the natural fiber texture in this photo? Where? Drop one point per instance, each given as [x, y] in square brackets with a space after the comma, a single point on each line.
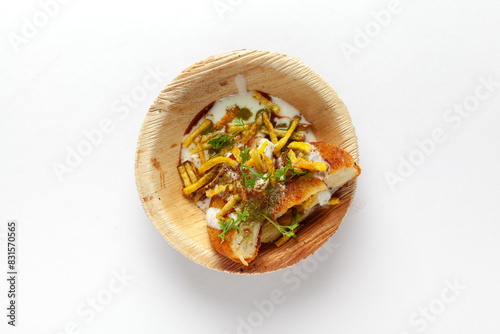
[177, 218]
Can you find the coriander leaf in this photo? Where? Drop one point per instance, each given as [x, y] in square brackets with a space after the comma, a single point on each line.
[239, 122]
[226, 139]
[251, 182]
[249, 179]
[221, 141]
[230, 223]
[244, 154]
[282, 228]
[282, 172]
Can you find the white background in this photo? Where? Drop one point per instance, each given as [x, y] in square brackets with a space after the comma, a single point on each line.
[400, 247]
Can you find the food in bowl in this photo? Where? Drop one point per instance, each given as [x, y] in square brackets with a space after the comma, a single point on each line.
[251, 162]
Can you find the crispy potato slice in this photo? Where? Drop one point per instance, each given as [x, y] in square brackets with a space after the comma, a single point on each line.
[239, 247]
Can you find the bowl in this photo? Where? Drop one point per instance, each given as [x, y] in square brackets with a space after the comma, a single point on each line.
[175, 216]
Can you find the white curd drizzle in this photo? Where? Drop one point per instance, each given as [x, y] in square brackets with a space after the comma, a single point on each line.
[212, 220]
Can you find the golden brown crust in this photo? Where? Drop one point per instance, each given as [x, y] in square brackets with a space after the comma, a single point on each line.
[224, 248]
[297, 192]
[334, 156]
[294, 192]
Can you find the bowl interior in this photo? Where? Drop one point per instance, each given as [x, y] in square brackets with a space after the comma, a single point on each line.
[176, 217]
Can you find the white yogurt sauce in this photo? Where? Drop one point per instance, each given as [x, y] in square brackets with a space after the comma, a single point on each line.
[260, 184]
[287, 112]
[315, 156]
[187, 156]
[213, 221]
[244, 100]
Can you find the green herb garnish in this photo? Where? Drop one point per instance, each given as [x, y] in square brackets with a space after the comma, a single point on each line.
[282, 228]
[226, 139]
[249, 179]
[230, 223]
[282, 172]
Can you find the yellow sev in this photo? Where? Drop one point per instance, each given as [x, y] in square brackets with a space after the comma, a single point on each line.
[185, 177]
[273, 106]
[201, 153]
[228, 206]
[220, 188]
[250, 162]
[257, 160]
[270, 167]
[191, 171]
[215, 161]
[196, 132]
[262, 147]
[292, 157]
[236, 152]
[200, 183]
[299, 136]
[282, 141]
[252, 130]
[228, 117]
[303, 147]
[312, 166]
[270, 128]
